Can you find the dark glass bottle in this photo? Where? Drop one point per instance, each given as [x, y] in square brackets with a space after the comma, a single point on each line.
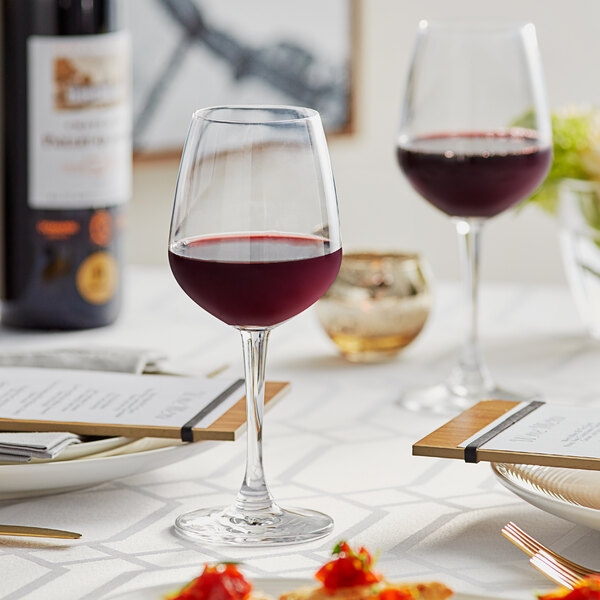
[66, 162]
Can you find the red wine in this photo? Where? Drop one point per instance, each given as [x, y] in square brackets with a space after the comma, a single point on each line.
[474, 174]
[66, 161]
[254, 280]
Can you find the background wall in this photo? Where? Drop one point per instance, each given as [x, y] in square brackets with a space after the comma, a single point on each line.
[378, 208]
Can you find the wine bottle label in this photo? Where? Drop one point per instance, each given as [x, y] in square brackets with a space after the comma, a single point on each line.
[101, 228]
[57, 229]
[79, 121]
[97, 278]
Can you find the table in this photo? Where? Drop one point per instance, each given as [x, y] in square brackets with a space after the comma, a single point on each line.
[336, 443]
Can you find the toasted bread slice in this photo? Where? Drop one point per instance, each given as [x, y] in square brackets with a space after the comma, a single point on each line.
[430, 590]
[356, 592]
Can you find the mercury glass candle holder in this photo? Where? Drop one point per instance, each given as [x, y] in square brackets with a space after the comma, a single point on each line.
[378, 304]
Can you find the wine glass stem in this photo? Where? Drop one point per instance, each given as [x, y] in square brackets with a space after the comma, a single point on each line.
[254, 494]
[472, 374]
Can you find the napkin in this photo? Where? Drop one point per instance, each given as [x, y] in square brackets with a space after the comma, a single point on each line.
[124, 360]
[22, 447]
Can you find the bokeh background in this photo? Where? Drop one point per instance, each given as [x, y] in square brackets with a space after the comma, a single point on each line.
[378, 208]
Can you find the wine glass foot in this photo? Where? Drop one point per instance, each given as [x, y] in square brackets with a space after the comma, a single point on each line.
[445, 399]
[229, 526]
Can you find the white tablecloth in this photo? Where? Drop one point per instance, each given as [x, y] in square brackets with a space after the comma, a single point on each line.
[336, 443]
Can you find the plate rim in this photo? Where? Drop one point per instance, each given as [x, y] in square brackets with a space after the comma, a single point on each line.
[538, 494]
[17, 483]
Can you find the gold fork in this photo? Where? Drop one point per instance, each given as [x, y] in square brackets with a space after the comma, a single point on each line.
[531, 546]
[554, 570]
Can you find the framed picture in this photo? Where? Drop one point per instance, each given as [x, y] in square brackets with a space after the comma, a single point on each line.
[189, 54]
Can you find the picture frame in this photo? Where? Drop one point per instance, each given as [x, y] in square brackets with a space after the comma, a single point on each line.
[189, 54]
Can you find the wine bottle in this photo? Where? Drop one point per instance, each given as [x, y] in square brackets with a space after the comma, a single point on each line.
[66, 161]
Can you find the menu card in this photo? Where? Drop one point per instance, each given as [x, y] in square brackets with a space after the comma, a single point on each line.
[549, 429]
[525, 432]
[102, 403]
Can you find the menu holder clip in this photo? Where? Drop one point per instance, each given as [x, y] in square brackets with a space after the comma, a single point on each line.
[228, 427]
[467, 437]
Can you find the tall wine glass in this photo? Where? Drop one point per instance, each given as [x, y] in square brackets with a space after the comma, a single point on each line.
[474, 139]
[255, 240]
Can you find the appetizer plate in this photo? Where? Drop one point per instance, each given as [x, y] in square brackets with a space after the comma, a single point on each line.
[272, 586]
[572, 494]
[131, 458]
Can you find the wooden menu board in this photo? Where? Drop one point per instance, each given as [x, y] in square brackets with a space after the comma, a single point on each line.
[446, 441]
[228, 427]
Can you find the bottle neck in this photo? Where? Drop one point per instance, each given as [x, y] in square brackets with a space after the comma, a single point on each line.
[85, 17]
[67, 17]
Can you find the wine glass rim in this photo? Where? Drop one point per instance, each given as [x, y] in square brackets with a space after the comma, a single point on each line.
[475, 25]
[301, 113]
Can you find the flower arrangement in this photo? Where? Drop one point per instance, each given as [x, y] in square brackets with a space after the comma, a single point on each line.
[576, 153]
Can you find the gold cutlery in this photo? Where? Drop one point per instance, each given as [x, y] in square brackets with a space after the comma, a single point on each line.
[547, 565]
[553, 565]
[22, 530]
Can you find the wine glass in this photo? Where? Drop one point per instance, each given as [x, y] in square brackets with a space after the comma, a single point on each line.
[255, 240]
[474, 139]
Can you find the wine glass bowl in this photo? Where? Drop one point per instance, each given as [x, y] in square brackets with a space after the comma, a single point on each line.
[474, 140]
[282, 274]
[255, 240]
[475, 174]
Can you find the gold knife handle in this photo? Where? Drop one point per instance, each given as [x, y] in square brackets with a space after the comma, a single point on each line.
[23, 530]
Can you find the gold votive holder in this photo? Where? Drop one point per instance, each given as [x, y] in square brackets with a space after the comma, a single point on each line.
[377, 305]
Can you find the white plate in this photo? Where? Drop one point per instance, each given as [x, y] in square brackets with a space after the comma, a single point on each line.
[24, 480]
[573, 494]
[273, 587]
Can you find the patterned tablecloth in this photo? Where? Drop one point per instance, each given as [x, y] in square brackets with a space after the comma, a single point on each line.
[336, 443]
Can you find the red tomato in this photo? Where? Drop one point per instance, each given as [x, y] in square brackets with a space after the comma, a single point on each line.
[349, 569]
[220, 582]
